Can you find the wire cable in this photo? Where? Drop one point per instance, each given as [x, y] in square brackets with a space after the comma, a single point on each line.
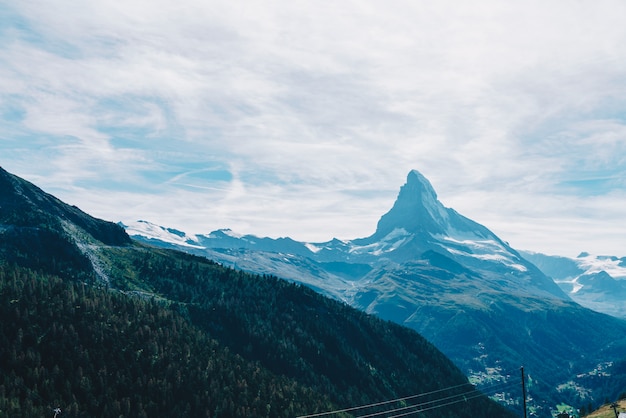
[468, 395]
[354, 408]
[473, 393]
[435, 407]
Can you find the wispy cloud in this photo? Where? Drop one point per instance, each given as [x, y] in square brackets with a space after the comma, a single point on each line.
[303, 119]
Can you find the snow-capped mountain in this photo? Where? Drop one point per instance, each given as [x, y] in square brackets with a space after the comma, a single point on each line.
[418, 223]
[432, 269]
[597, 282]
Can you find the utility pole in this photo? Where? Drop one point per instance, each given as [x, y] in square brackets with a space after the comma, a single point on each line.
[614, 405]
[524, 391]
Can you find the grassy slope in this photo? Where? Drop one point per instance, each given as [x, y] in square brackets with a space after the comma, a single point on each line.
[605, 411]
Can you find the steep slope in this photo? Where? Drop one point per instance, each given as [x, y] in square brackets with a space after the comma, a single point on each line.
[445, 239]
[24, 205]
[454, 281]
[596, 282]
[175, 334]
[41, 232]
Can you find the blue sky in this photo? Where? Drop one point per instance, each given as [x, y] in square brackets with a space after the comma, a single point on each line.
[302, 119]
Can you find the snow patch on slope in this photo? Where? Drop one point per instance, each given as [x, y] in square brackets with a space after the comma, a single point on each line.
[595, 264]
[312, 247]
[390, 242]
[481, 249]
[171, 236]
[229, 232]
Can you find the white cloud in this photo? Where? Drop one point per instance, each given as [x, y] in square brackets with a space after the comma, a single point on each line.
[509, 109]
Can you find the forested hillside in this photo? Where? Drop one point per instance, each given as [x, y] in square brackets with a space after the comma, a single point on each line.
[231, 345]
[94, 352]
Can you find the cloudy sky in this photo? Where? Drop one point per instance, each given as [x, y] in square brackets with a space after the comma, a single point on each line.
[302, 119]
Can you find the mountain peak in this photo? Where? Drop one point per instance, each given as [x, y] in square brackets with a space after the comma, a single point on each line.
[416, 180]
[416, 209]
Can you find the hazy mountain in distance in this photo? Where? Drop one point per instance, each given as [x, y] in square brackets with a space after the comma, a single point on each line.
[596, 282]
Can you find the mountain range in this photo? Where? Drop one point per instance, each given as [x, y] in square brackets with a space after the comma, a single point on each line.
[597, 282]
[481, 302]
[96, 324]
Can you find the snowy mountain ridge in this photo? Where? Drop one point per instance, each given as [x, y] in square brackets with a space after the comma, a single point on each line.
[417, 222]
[155, 232]
[615, 267]
[595, 281]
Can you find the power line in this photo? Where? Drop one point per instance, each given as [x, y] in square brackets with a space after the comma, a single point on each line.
[467, 395]
[404, 408]
[435, 403]
[354, 408]
[465, 399]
